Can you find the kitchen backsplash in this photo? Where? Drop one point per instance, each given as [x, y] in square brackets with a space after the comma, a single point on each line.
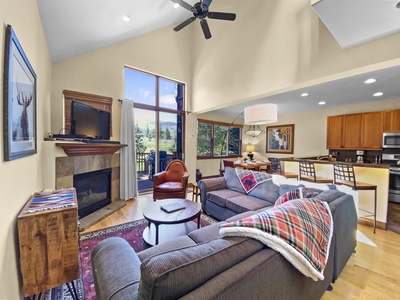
[343, 155]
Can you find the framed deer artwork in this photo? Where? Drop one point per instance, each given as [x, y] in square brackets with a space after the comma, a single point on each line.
[19, 101]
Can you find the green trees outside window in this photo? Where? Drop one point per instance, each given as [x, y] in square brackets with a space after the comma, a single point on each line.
[211, 139]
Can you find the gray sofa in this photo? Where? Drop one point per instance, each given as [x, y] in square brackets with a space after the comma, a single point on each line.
[203, 265]
[224, 197]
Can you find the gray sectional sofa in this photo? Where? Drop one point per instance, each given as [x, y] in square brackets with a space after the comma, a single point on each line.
[203, 265]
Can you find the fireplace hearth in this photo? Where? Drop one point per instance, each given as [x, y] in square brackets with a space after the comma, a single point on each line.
[93, 191]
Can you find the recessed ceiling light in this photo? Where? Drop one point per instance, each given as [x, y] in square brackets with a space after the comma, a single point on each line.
[378, 94]
[176, 5]
[370, 80]
[304, 94]
[126, 18]
[321, 103]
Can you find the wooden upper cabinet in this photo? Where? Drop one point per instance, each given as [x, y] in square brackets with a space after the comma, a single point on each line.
[361, 131]
[391, 120]
[352, 131]
[334, 137]
[372, 129]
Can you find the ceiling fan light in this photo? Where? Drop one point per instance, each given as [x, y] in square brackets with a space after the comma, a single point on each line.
[261, 114]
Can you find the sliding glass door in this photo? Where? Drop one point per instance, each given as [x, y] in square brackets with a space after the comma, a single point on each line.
[159, 122]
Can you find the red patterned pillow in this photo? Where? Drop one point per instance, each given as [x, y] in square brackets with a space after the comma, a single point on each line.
[298, 193]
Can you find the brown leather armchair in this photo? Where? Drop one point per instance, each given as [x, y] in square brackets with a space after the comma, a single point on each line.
[171, 183]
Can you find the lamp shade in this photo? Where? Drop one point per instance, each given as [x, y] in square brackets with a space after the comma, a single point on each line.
[250, 148]
[261, 114]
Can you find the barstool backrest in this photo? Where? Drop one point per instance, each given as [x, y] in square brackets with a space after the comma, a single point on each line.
[275, 165]
[344, 174]
[306, 168]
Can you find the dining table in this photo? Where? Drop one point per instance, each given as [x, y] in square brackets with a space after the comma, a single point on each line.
[254, 165]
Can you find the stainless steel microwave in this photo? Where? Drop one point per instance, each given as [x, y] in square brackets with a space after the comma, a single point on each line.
[391, 140]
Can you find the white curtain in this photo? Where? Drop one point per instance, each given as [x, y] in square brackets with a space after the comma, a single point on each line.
[128, 176]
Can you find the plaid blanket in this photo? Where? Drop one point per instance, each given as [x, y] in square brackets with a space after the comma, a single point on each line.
[301, 230]
[250, 179]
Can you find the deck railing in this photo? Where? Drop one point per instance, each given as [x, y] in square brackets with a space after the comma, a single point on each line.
[141, 163]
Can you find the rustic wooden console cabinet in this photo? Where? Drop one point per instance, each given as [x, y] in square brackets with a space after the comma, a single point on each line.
[48, 241]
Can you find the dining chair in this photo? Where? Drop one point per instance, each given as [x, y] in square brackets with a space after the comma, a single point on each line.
[344, 174]
[227, 163]
[307, 173]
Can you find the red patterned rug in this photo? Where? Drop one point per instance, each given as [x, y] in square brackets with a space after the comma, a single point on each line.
[132, 232]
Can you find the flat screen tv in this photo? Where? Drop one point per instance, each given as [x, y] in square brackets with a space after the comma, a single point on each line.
[89, 122]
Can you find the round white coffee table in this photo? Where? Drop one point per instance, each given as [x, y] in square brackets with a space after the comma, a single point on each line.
[174, 224]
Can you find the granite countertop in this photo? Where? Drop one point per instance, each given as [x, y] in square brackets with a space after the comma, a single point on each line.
[355, 164]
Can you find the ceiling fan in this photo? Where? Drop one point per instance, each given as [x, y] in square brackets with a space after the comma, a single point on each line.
[200, 11]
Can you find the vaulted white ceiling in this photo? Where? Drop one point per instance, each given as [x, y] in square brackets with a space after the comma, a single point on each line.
[75, 27]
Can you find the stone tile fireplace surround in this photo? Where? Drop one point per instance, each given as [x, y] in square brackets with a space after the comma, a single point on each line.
[63, 160]
[67, 167]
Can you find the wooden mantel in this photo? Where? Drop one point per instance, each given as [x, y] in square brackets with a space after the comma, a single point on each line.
[79, 149]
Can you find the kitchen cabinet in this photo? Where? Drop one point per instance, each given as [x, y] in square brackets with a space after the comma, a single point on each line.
[391, 120]
[372, 129]
[352, 131]
[360, 131]
[334, 135]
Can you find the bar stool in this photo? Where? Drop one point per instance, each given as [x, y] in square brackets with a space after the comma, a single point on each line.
[344, 174]
[307, 172]
[277, 168]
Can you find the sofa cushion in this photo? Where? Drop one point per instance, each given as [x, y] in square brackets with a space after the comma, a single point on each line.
[297, 193]
[219, 197]
[266, 190]
[330, 195]
[288, 185]
[206, 234]
[232, 180]
[245, 203]
[172, 245]
[174, 274]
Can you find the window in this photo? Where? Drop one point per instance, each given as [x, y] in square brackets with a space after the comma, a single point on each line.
[211, 141]
[159, 121]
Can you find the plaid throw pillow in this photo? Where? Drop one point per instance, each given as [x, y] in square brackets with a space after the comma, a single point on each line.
[298, 193]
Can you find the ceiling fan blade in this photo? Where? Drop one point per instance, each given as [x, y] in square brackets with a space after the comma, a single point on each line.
[206, 29]
[221, 16]
[185, 5]
[185, 23]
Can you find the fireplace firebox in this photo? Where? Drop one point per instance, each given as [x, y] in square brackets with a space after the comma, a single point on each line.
[93, 191]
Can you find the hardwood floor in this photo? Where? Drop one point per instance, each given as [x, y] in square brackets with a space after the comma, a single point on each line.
[371, 273]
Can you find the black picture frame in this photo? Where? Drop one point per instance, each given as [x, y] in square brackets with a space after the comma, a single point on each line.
[19, 101]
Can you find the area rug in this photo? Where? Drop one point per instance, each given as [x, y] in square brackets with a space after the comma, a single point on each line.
[131, 232]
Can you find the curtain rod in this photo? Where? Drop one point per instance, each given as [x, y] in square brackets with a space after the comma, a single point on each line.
[185, 111]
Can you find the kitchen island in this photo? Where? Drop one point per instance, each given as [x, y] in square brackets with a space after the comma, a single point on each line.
[372, 173]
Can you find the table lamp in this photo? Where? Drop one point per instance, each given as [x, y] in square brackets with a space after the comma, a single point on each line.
[249, 150]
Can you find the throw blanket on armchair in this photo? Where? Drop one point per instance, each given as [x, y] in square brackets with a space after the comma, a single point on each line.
[250, 179]
[301, 230]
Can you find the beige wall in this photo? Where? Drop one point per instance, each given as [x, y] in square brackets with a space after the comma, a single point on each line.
[162, 52]
[275, 46]
[22, 177]
[310, 131]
